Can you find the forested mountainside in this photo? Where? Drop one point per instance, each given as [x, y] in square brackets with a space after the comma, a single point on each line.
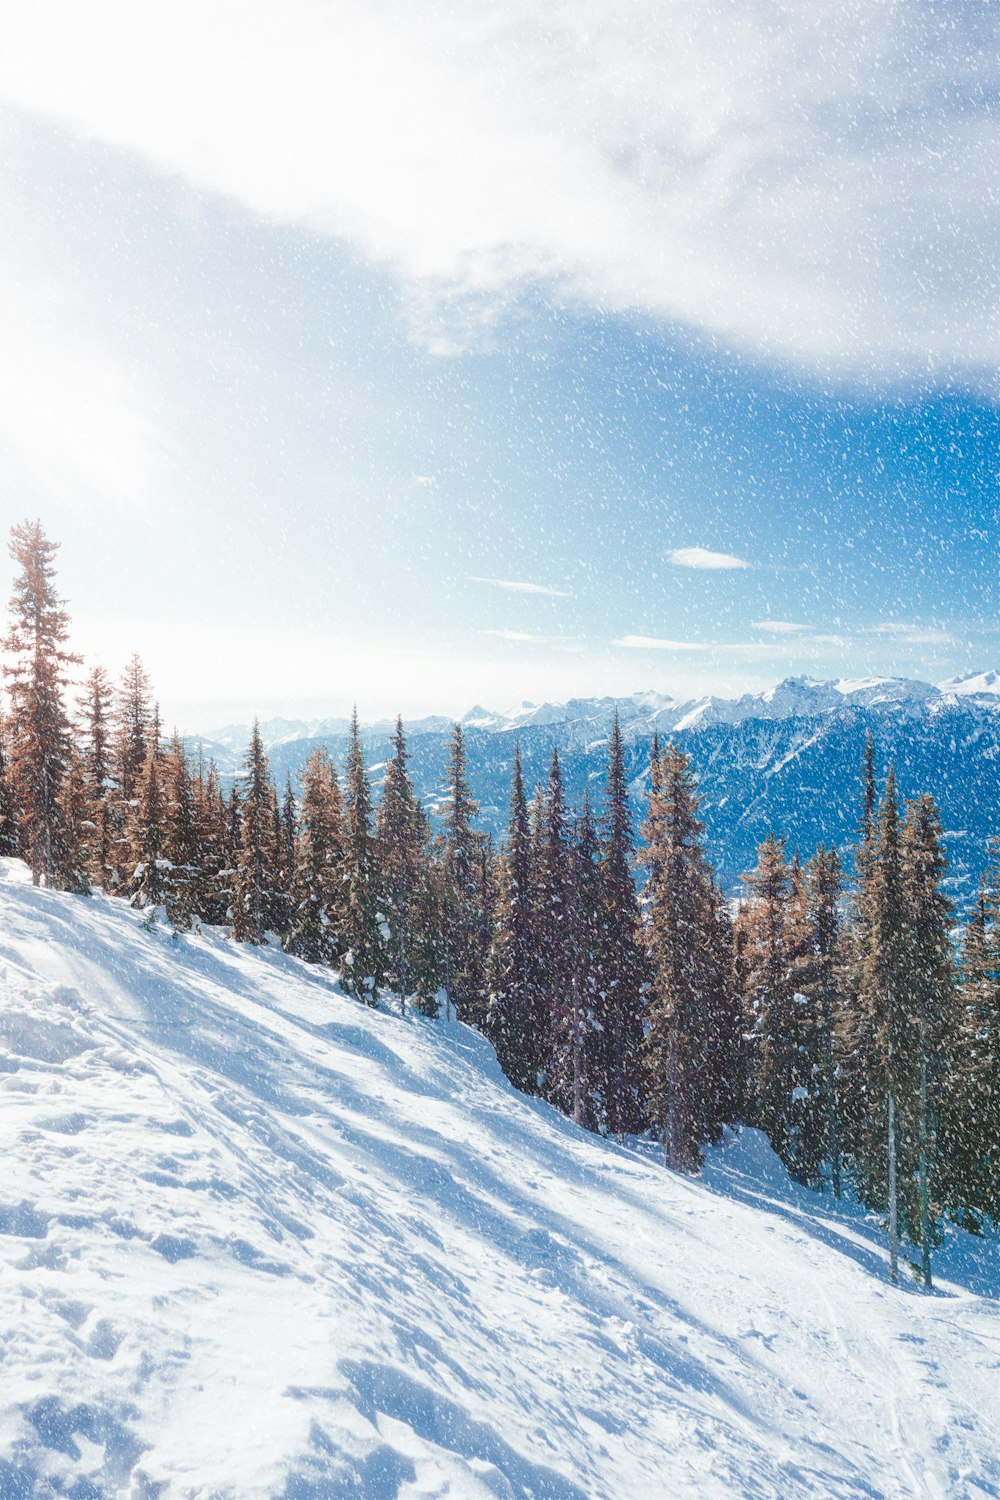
[786, 761]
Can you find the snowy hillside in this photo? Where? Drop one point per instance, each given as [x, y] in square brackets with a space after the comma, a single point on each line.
[258, 1241]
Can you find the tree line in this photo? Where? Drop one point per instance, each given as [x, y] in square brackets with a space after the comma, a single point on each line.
[849, 1019]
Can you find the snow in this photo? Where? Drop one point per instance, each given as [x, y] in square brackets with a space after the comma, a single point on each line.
[257, 1240]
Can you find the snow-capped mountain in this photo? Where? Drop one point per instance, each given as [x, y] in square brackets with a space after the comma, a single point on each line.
[259, 1241]
[786, 759]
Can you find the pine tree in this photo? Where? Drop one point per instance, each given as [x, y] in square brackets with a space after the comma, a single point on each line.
[363, 969]
[95, 707]
[590, 985]
[555, 927]
[181, 851]
[772, 1018]
[131, 743]
[930, 1014]
[409, 908]
[970, 1093]
[74, 829]
[817, 976]
[621, 961]
[515, 1016]
[318, 918]
[805, 1134]
[37, 676]
[211, 894]
[145, 837]
[685, 1007]
[255, 879]
[878, 1038]
[466, 930]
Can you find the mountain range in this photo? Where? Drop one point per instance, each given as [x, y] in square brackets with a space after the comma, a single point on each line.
[785, 760]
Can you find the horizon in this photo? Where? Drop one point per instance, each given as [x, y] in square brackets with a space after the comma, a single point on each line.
[540, 390]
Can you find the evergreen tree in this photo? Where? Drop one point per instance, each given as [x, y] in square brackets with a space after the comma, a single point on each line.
[466, 934]
[559, 1043]
[930, 1014]
[621, 961]
[255, 880]
[211, 892]
[130, 746]
[408, 906]
[970, 1095]
[817, 976]
[75, 830]
[181, 851]
[363, 969]
[685, 1008]
[95, 707]
[146, 883]
[37, 677]
[318, 918]
[878, 1037]
[515, 1016]
[772, 1022]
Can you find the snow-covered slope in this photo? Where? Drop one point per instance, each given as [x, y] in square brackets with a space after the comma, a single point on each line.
[256, 1240]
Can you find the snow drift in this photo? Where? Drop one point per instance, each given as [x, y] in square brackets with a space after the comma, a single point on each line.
[259, 1241]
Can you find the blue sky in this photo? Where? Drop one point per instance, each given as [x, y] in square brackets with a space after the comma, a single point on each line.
[424, 357]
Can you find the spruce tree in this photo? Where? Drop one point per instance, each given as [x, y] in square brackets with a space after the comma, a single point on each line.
[95, 708]
[684, 1007]
[181, 851]
[515, 1014]
[769, 998]
[465, 938]
[130, 745]
[970, 1093]
[555, 926]
[255, 878]
[363, 970]
[37, 678]
[930, 1014]
[818, 977]
[145, 837]
[621, 961]
[879, 1037]
[318, 919]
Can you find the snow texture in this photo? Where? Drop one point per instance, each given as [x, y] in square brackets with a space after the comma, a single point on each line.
[258, 1241]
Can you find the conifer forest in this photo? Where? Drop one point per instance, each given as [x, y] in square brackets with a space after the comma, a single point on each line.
[841, 1005]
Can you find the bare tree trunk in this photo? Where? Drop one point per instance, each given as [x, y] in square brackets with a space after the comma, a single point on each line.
[893, 1195]
[833, 1133]
[923, 1169]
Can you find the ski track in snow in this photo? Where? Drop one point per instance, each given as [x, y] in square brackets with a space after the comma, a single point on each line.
[259, 1241]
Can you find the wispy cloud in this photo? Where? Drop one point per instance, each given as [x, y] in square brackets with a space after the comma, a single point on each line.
[705, 558]
[516, 586]
[517, 635]
[780, 627]
[486, 159]
[656, 643]
[914, 635]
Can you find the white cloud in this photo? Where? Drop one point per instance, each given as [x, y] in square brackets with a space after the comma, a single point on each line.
[813, 182]
[914, 635]
[655, 643]
[703, 557]
[515, 587]
[779, 627]
[517, 635]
